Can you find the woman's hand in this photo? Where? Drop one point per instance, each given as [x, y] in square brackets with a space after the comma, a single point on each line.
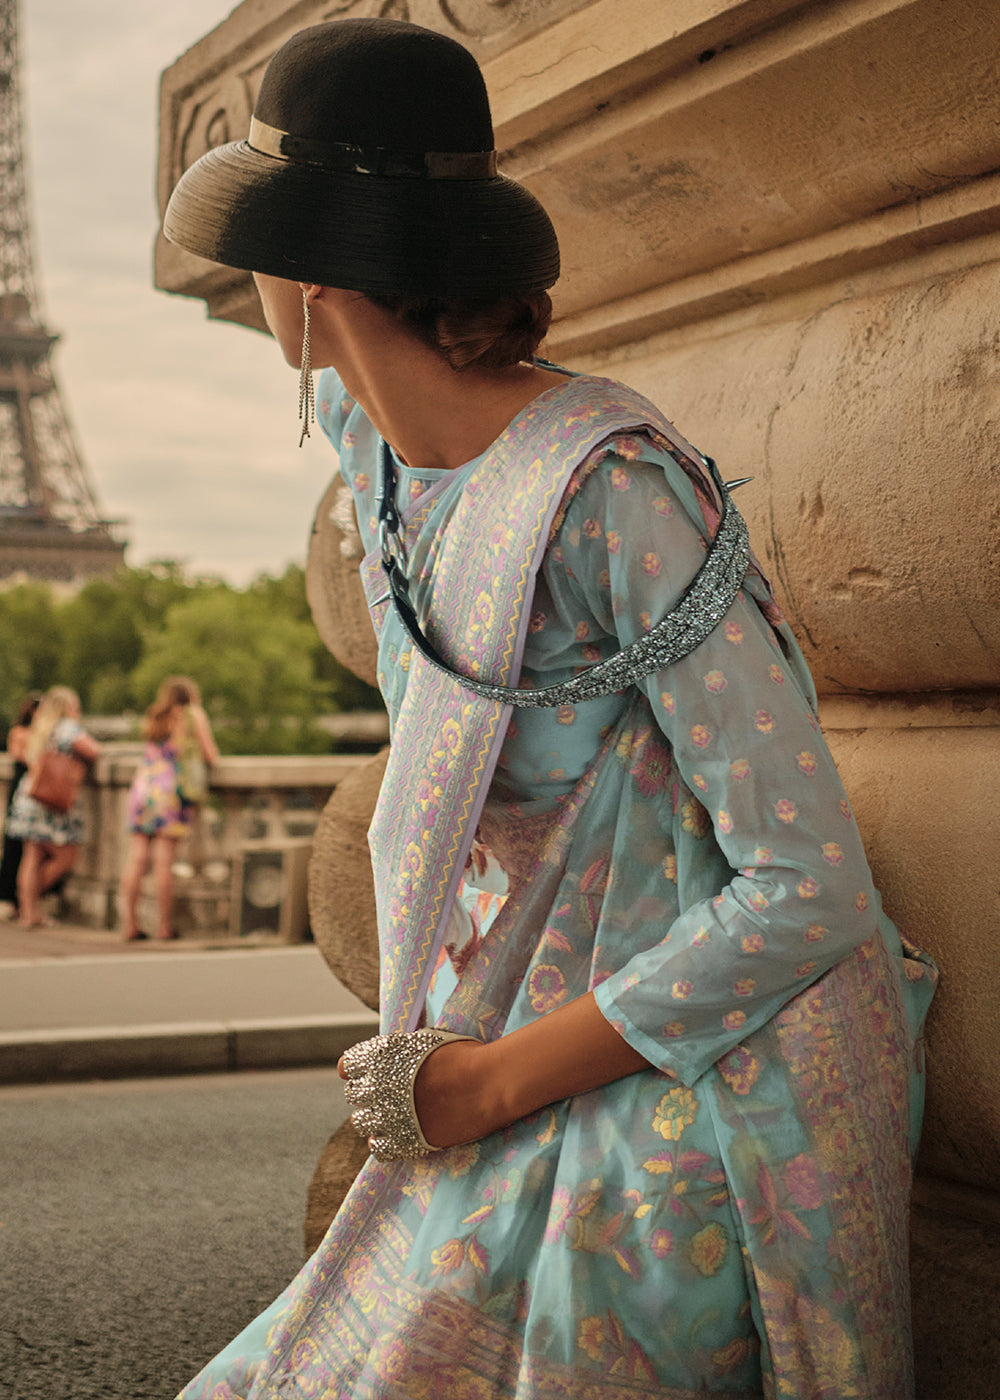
[85, 747]
[465, 1090]
[453, 1096]
[450, 1093]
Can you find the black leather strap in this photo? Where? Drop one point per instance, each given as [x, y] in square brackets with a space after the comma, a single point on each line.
[701, 607]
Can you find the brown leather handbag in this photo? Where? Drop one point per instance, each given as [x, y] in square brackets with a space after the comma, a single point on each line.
[56, 779]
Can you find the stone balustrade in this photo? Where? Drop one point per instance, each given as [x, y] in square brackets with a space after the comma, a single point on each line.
[255, 803]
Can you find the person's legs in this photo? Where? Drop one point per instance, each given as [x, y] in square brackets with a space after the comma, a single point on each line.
[164, 850]
[135, 869]
[29, 911]
[57, 862]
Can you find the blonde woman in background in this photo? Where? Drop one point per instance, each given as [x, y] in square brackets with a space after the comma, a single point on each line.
[51, 838]
[171, 782]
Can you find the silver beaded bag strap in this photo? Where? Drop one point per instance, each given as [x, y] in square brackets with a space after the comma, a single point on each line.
[704, 603]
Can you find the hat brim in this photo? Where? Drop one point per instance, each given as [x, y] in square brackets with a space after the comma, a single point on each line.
[369, 233]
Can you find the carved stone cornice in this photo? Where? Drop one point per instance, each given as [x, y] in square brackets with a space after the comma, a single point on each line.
[696, 157]
[691, 169]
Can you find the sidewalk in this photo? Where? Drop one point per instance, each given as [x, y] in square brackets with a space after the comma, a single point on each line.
[77, 1003]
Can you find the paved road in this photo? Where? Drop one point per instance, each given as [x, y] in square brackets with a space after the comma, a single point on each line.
[143, 1223]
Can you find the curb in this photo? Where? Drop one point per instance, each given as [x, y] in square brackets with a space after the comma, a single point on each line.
[117, 1052]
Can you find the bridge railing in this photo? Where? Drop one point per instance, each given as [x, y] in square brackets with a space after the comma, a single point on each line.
[254, 830]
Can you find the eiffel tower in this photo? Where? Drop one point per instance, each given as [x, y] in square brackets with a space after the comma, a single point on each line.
[50, 524]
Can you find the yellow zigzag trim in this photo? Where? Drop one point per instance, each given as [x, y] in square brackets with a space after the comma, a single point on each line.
[449, 858]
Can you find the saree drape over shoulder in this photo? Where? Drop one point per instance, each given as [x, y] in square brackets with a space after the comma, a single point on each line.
[732, 1220]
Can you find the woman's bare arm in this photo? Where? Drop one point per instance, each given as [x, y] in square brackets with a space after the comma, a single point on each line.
[203, 733]
[466, 1090]
[85, 747]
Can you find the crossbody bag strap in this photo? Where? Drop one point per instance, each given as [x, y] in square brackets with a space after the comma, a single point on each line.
[703, 604]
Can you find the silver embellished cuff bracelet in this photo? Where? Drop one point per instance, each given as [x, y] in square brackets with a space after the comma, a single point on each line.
[381, 1073]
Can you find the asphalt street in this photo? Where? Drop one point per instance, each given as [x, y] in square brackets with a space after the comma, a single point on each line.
[144, 1223]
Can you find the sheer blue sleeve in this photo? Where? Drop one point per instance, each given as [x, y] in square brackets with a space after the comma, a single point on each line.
[751, 762]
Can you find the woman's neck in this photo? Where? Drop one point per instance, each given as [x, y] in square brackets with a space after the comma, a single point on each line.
[444, 420]
[433, 415]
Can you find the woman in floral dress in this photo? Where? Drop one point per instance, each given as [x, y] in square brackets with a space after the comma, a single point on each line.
[163, 801]
[665, 1149]
[50, 838]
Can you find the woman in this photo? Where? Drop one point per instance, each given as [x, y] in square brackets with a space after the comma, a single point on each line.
[17, 739]
[51, 838]
[170, 782]
[661, 1144]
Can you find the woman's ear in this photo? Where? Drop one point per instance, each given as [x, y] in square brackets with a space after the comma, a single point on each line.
[311, 290]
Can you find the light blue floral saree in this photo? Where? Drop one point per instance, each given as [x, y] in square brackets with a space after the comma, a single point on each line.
[731, 1221]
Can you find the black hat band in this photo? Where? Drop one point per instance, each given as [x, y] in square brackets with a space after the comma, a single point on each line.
[373, 160]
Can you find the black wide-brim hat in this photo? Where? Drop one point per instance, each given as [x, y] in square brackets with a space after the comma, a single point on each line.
[369, 166]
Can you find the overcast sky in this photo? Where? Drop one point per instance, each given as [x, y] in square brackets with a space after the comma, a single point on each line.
[188, 427]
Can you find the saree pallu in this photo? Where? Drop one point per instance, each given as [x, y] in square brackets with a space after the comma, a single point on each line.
[737, 1229]
[746, 1238]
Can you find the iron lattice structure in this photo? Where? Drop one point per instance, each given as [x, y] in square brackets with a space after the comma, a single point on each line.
[50, 523]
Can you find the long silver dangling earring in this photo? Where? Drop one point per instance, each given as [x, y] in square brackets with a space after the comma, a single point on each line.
[307, 393]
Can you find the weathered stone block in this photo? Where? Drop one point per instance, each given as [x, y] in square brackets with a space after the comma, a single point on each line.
[955, 1276]
[340, 1161]
[868, 425]
[926, 804]
[341, 887]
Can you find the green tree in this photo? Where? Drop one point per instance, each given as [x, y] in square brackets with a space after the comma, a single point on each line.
[255, 652]
[103, 645]
[288, 592]
[105, 626]
[14, 673]
[253, 664]
[31, 644]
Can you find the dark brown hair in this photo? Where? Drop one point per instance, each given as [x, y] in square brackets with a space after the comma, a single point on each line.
[174, 691]
[26, 709]
[490, 334]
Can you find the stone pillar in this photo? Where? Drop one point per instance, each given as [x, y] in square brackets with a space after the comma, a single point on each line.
[782, 223]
